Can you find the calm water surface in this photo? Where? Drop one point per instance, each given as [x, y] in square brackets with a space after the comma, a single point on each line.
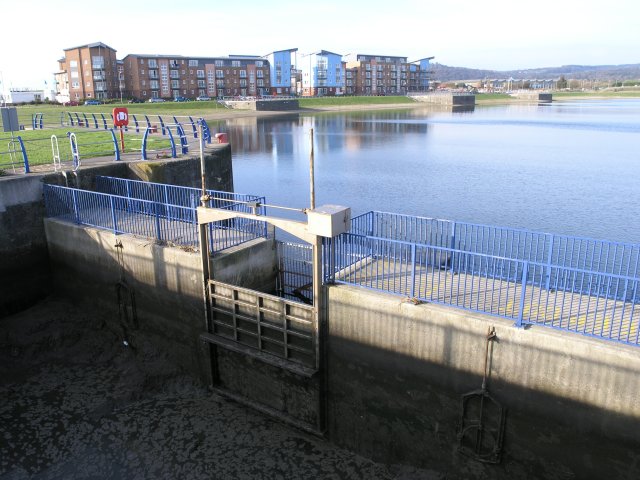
[570, 167]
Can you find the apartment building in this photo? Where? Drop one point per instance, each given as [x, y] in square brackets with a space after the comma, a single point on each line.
[322, 74]
[91, 71]
[385, 75]
[171, 76]
[283, 72]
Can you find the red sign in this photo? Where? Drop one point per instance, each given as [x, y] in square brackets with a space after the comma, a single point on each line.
[120, 117]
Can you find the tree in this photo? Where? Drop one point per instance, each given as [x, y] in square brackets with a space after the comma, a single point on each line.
[562, 83]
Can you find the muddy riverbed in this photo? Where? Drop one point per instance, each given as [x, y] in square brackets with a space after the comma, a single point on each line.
[77, 403]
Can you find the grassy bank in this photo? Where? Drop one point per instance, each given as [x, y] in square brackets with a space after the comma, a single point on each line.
[91, 143]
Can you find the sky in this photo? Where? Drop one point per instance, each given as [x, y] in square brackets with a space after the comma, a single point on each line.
[474, 34]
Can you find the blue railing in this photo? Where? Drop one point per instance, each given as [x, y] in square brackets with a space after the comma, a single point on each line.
[545, 248]
[122, 215]
[14, 155]
[225, 234]
[569, 283]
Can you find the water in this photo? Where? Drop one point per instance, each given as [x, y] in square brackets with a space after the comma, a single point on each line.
[570, 167]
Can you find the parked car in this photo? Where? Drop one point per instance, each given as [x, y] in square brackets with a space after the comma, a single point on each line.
[72, 103]
[135, 100]
[203, 98]
[181, 99]
[156, 100]
[92, 102]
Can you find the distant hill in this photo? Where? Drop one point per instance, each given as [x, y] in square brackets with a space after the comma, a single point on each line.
[445, 73]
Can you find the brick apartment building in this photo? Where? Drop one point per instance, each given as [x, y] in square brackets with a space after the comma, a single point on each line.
[91, 72]
[171, 76]
[385, 75]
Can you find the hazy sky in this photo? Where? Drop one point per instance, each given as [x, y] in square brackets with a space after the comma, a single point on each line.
[476, 34]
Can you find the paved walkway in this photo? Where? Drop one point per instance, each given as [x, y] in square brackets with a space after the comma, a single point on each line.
[579, 312]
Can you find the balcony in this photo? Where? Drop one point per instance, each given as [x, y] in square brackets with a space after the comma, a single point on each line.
[99, 76]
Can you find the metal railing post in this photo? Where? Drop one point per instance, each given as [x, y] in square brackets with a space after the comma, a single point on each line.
[525, 274]
[113, 215]
[413, 271]
[76, 210]
[116, 148]
[452, 243]
[25, 159]
[144, 144]
[158, 228]
[549, 260]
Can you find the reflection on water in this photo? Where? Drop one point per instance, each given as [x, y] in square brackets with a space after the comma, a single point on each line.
[566, 167]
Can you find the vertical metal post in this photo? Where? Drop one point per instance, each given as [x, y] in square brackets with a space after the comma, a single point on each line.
[312, 186]
[202, 163]
[113, 215]
[549, 260]
[413, 272]
[25, 159]
[157, 215]
[320, 331]
[452, 244]
[74, 194]
[525, 273]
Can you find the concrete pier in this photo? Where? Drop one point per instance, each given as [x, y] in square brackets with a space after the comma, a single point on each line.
[446, 98]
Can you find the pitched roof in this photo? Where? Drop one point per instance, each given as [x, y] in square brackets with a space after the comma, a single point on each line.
[91, 45]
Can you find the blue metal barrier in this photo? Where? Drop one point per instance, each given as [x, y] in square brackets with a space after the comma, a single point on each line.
[497, 271]
[551, 249]
[11, 152]
[121, 215]
[76, 151]
[228, 233]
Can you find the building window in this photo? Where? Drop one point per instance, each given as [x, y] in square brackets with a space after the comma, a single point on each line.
[235, 63]
[175, 74]
[259, 74]
[259, 63]
[154, 84]
[260, 82]
[243, 74]
[201, 84]
[152, 63]
[73, 64]
[219, 73]
[175, 84]
[141, 72]
[219, 63]
[193, 63]
[243, 82]
[220, 83]
[200, 73]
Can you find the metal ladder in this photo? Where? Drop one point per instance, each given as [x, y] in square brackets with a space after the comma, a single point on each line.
[55, 151]
[75, 154]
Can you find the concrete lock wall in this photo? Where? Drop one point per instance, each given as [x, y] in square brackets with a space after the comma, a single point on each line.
[25, 276]
[397, 372]
[24, 268]
[166, 281]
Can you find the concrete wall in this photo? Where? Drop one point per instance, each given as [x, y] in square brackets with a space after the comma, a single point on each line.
[264, 105]
[166, 281]
[397, 372]
[535, 97]
[24, 266]
[444, 98]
